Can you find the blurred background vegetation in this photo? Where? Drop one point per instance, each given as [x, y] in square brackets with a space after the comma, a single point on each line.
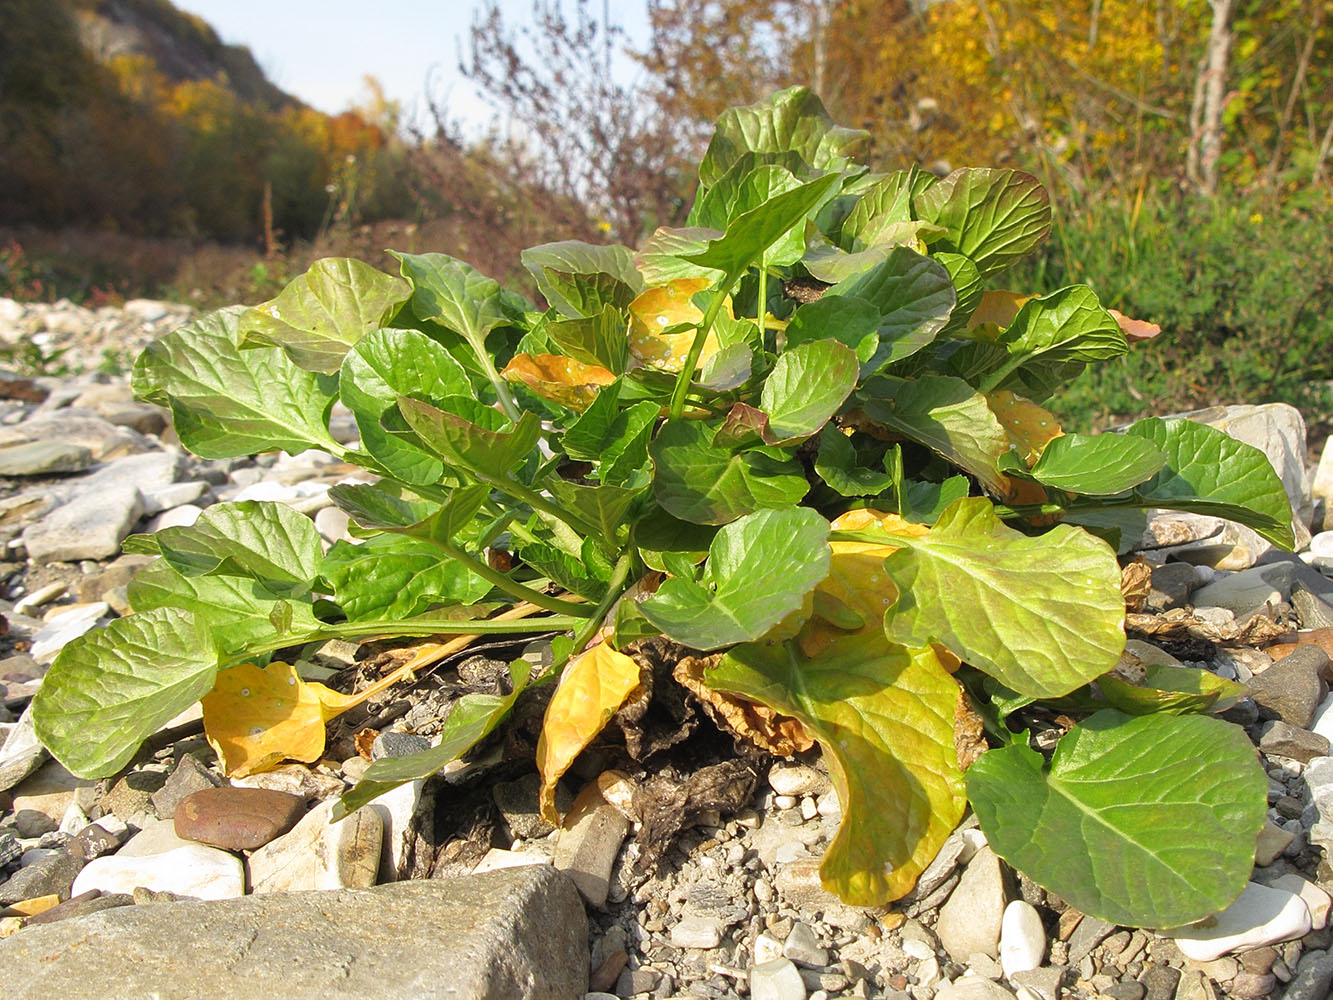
[1186, 144]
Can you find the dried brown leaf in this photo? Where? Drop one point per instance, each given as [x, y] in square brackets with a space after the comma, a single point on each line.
[1136, 584]
[780, 735]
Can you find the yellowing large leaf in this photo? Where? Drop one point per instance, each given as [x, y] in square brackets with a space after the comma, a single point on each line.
[1030, 428]
[558, 378]
[883, 714]
[592, 688]
[662, 308]
[257, 717]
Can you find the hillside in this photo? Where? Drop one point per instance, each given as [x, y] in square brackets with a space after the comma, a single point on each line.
[133, 117]
[181, 46]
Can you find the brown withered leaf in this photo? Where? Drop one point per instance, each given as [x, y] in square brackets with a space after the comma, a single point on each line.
[659, 714]
[1135, 584]
[969, 735]
[364, 740]
[1179, 623]
[1291, 641]
[780, 735]
[667, 804]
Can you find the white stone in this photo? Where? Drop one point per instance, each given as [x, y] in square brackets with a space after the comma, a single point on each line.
[194, 870]
[696, 932]
[1321, 550]
[776, 980]
[164, 498]
[396, 808]
[318, 853]
[1318, 776]
[767, 948]
[498, 857]
[40, 596]
[91, 526]
[589, 842]
[157, 837]
[1260, 916]
[332, 524]
[1247, 592]
[977, 988]
[802, 947]
[970, 919]
[797, 779]
[177, 517]
[973, 840]
[20, 751]
[928, 971]
[65, 627]
[828, 805]
[1317, 901]
[1022, 938]
[918, 949]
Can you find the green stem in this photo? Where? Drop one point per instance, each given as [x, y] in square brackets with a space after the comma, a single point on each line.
[696, 348]
[1000, 374]
[398, 628]
[510, 587]
[761, 311]
[501, 388]
[586, 630]
[538, 502]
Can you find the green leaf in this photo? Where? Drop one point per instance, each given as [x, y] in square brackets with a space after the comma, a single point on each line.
[946, 415]
[728, 369]
[374, 507]
[845, 318]
[566, 570]
[759, 570]
[268, 542]
[752, 233]
[578, 278]
[698, 481]
[887, 202]
[792, 120]
[1171, 689]
[457, 296]
[807, 386]
[662, 538]
[735, 195]
[600, 339]
[968, 285]
[1209, 472]
[470, 719]
[110, 689]
[1101, 466]
[384, 365]
[1067, 325]
[221, 397]
[604, 507]
[923, 503]
[322, 313]
[914, 296]
[664, 255]
[995, 217]
[1145, 822]
[235, 609]
[1043, 615]
[486, 449]
[883, 715]
[838, 466]
[394, 576]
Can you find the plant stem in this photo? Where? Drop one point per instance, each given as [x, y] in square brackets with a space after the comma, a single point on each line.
[1000, 374]
[587, 630]
[538, 502]
[696, 348]
[761, 311]
[510, 587]
[501, 389]
[398, 628]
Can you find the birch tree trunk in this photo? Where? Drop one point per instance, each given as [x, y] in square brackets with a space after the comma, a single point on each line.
[1209, 100]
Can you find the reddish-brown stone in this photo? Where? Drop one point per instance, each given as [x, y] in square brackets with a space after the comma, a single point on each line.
[237, 819]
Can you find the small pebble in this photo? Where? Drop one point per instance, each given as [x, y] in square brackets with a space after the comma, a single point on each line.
[237, 819]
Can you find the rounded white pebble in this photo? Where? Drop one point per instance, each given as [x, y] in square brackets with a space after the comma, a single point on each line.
[1022, 938]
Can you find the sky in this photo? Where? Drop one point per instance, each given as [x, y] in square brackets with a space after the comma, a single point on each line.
[320, 50]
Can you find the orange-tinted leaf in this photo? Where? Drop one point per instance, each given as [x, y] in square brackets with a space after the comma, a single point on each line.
[592, 688]
[1029, 428]
[780, 735]
[660, 309]
[257, 717]
[1135, 329]
[996, 311]
[558, 378]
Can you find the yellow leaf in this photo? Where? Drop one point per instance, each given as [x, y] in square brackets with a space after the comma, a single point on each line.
[257, 717]
[995, 312]
[662, 308]
[558, 378]
[593, 686]
[1030, 428]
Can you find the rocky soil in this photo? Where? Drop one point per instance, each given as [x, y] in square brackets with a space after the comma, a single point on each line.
[690, 872]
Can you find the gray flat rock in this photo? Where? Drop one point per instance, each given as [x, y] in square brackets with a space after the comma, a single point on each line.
[39, 458]
[512, 934]
[89, 527]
